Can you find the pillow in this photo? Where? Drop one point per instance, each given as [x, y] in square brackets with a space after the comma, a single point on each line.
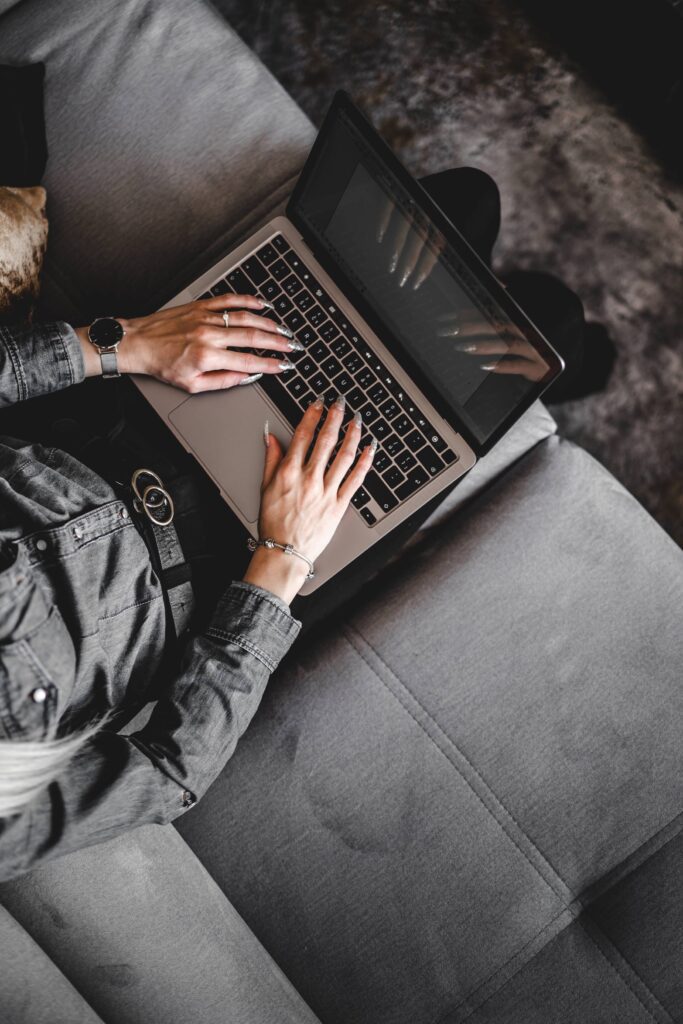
[23, 155]
[23, 238]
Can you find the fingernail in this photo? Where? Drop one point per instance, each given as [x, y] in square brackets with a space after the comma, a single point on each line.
[406, 275]
[296, 346]
[488, 366]
[286, 365]
[358, 420]
[249, 380]
[448, 332]
[466, 348]
[340, 401]
[373, 445]
[266, 305]
[417, 282]
[284, 330]
[318, 404]
[266, 438]
[393, 264]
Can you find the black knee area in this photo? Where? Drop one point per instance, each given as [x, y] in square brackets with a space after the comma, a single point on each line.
[470, 199]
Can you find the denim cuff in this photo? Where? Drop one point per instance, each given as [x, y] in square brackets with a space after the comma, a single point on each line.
[256, 620]
[40, 358]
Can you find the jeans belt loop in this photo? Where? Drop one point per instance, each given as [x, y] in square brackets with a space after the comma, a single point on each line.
[154, 505]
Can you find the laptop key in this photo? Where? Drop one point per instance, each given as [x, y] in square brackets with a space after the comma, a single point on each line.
[240, 283]
[393, 477]
[405, 460]
[368, 516]
[402, 424]
[340, 347]
[316, 316]
[369, 413]
[330, 396]
[306, 367]
[294, 320]
[270, 289]
[306, 335]
[415, 440]
[295, 262]
[393, 445]
[344, 382]
[380, 429]
[352, 362]
[304, 300]
[318, 383]
[360, 498]
[297, 387]
[331, 366]
[206, 295]
[417, 478]
[390, 409]
[377, 393]
[430, 460]
[328, 331]
[356, 398]
[280, 243]
[279, 270]
[319, 351]
[291, 285]
[282, 305]
[305, 400]
[436, 441]
[220, 288]
[267, 254]
[365, 378]
[449, 457]
[255, 269]
[379, 491]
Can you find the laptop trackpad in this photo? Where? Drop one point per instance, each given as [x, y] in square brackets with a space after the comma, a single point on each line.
[224, 429]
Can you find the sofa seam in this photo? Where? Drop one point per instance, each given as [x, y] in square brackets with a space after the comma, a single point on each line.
[561, 896]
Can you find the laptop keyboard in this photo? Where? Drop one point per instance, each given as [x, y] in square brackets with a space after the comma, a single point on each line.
[336, 360]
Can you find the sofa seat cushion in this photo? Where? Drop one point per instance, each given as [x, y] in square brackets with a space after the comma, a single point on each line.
[442, 789]
[167, 139]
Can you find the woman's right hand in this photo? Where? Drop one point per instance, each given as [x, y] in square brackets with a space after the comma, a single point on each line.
[303, 501]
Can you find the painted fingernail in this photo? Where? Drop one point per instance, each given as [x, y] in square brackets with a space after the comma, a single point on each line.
[266, 437]
[318, 404]
[284, 330]
[393, 264]
[466, 348]
[448, 332]
[340, 401]
[488, 366]
[286, 365]
[358, 420]
[266, 305]
[404, 278]
[373, 447]
[295, 346]
[249, 380]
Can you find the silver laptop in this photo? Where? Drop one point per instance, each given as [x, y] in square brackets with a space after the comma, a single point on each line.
[389, 301]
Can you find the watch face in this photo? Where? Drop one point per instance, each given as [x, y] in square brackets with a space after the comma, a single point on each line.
[105, 332]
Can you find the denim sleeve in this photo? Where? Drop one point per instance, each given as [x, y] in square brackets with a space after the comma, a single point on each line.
[117, 782]
[37, 358]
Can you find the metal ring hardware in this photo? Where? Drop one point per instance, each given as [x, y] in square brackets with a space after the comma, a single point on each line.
[153, 498]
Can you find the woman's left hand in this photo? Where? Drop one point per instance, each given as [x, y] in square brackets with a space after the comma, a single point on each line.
[189, 345]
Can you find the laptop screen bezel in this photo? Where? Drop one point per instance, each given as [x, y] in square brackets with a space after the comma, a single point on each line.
[342, 102]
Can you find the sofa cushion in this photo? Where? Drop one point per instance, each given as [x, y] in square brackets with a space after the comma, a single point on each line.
[143, 934]
[438, 787]
[168, 138]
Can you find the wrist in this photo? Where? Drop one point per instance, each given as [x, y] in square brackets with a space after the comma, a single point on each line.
[129, 354]
[272, 569]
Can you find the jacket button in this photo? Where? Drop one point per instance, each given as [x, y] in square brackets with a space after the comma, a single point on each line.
[41, 544]
[188, 799]
[39, 694]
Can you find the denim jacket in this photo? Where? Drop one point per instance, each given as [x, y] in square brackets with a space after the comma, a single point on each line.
[82, 627]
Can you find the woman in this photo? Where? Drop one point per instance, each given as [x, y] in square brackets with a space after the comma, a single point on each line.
[86, 635]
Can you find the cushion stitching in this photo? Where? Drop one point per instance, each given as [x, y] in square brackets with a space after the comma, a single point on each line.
[451, 762]
[622, 978]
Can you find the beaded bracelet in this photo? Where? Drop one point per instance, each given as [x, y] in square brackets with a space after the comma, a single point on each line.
[268, 542]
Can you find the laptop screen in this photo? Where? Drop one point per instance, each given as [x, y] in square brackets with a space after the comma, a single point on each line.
[420, 285]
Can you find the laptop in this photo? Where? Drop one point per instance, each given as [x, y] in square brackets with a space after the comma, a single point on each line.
[388, 300]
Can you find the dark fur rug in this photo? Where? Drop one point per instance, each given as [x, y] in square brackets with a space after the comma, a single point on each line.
[454, 82]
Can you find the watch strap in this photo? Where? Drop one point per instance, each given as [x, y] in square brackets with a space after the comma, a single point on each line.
[110, 366]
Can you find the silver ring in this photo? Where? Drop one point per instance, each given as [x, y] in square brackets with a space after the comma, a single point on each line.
[226, 318]
[149, 506]
[140, 472]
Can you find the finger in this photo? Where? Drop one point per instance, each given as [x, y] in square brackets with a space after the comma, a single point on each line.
[427, 263]
[273, 456]
[245, 326]
[215, 380]
[410, 258]
[328, 436]
[385, 219]
[344, 458]
[244, 362]
[518, 367]
[303, 435]
[397, 243]
[483, 348]
[216, 302]
[241, 318]
[357, 475]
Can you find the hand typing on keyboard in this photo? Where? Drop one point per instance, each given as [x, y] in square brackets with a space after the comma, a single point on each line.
[305, 493]
[191, 347]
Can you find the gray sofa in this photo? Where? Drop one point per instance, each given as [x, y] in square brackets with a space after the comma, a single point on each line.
[463, 801]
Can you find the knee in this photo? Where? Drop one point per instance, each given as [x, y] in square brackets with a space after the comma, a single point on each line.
[546, 298]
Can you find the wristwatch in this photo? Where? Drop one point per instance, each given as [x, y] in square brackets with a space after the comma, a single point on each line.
[106, 333]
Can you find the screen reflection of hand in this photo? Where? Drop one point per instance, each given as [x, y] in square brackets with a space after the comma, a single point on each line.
[479, 338]
[410, 255]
